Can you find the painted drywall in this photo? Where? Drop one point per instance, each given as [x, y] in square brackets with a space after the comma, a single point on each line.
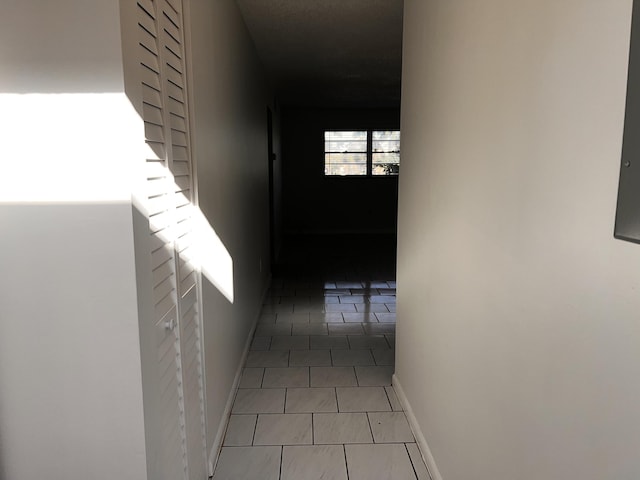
[314, 203]
[518, 312]
[70, 380]
[230, 150]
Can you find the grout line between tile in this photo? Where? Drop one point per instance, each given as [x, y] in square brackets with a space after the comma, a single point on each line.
[255, 428]
[373, 439]
[346, 463]
[415, 472]
[284, 404]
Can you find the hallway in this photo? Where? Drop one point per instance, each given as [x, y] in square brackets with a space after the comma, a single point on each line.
[315, 399]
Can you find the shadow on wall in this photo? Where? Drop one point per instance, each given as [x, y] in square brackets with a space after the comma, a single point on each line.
[102, 180]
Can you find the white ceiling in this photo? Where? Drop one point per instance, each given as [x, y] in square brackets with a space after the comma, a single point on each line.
[329, 52]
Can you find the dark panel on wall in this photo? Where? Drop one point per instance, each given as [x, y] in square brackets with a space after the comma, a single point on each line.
[628, 211]
[313, 203]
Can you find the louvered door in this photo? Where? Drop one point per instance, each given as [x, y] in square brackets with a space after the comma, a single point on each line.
[180, 165]
[170, 208]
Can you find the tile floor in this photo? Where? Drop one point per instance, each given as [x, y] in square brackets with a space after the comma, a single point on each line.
[315, 399]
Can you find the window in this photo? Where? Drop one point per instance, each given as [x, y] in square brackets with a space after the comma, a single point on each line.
[364, 153]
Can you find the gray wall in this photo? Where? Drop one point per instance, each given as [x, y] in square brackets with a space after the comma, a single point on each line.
[230, 150]
[518, 331]
[70, 380]
[71, 391]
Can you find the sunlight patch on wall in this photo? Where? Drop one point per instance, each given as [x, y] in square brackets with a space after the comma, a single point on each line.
[68, 147]
[88, 148]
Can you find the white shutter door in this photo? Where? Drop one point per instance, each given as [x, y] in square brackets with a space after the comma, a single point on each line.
[170, 460]
[180, 165]
[170, 206]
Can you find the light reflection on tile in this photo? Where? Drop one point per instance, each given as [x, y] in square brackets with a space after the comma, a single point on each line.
[327, 326]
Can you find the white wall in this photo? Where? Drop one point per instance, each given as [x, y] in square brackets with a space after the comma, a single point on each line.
[518, 313]
[230, 150]
[70, 382]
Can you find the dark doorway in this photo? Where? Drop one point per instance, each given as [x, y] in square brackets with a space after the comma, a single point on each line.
[271, 157]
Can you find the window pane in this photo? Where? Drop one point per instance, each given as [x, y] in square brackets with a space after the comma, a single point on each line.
[386, 153]
[345, 142]
[345, 153]
[345, 164]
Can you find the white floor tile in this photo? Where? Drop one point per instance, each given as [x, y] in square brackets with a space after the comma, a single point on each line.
[322, 342]
[310, 329]
[285, 429]
[348, 284]
[417, 461]
[372, 308]
[385, 356]
[390, 427]
[268, 359]
[362, 399]
[280, 308]
[340, 307]
[352, 299]
[267, 318]
[333, 377]
[285, 318]
[298, 342]
[379, 328]
[368, 341]
[310, 400]
[314, 358]
[248, 463]
[286, 377]
[253, 400]
[386, 317]
[396, 406]
[340, 428]
[261, 343]
[240, 430]
[382, 299]
[308, 308]
[382, 462]
[375, 376]
[251, 378]
[317, 462]
[335, 317]
[345, 358]
[268, 329]
[360, 317]
[345, 329]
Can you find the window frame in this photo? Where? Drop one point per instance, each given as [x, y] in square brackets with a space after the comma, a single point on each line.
[369, 153]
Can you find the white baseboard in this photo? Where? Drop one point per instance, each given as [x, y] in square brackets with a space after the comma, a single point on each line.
[222, 429]
[417, 431]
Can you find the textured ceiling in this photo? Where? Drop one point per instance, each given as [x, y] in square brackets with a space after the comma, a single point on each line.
[329, 52]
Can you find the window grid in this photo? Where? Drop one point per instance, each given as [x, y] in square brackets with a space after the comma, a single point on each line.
[361, 153]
